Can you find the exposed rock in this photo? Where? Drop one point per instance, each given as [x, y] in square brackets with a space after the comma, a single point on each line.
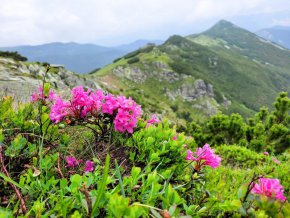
[190, 92]
[208, 107]
[132, 73]
[161, 73]
[20, 79]
[226, 102]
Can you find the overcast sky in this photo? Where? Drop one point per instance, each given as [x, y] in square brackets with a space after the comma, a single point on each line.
[114, 22]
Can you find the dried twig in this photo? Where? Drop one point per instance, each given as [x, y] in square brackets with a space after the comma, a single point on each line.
[58, 167]
[86, 192]
[18, 193]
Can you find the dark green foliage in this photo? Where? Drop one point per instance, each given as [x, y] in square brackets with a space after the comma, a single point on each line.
[117, 59]
[133, 60]
[181, 67]
[12, 54]
[265, 131]
[145, 49]
[237, 156]
[131, 54]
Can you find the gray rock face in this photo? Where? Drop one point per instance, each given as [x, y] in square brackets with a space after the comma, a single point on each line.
[20, 80]
[160, 71]
[191, 92]
[207, 107]
[133, 73]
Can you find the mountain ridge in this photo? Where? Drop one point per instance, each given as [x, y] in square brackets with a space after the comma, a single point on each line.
[78, 57]
[234, 62]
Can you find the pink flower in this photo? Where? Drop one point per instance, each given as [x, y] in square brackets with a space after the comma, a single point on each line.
[270, 188]
[89, 166]
[266, 153]
[276, 160]
[175, 137]
[59, 110]
[80, 97]
[205, 156]
[80, 102]
[96, 102]
[72, 162]
[189, 155]
[127, 115]
[37, 95]
[153, 119]
[110, 105]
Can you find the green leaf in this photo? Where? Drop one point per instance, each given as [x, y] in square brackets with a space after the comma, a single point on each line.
[46, 88]
[102, 187]
[120, 178]
[11, 181]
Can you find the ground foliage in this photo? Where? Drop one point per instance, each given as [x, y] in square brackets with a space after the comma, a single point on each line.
[46, 171]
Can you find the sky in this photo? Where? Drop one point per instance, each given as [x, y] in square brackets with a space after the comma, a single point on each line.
[116, 22]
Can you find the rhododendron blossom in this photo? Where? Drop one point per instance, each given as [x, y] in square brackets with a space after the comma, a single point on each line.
[127, 115]
[174, 137]
[270, 188]
[72, 162]
[125, 112]
[276, 160]
[89, 166]
[96, 102]
[37, 96]
[266, 153]
[204, 156]
[153, 119]
[111, 103]
[59, 110]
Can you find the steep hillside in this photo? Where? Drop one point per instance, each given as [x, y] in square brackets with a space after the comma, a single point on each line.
[80, 58]
[224, 69]
[277, 34]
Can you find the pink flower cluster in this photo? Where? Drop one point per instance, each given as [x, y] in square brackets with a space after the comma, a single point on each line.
[39, 96]
[87, 103]
[152, 120]
[270, 188]
[73, 162]
[204, 156]
[127, 114]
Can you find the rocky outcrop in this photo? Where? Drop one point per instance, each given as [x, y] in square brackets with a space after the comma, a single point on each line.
[20, 79]
[160, 72]
[191, 92]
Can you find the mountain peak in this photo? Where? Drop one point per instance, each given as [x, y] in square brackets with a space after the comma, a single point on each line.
[221, 25]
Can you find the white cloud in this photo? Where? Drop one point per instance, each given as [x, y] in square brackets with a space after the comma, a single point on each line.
[116, 21]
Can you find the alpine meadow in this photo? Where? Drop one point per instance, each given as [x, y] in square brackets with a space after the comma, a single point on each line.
[195, 126]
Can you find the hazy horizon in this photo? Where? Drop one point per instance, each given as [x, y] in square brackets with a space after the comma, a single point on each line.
[113, 23]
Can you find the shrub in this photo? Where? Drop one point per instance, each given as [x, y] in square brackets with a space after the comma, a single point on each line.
[13, 54]
[133, 60]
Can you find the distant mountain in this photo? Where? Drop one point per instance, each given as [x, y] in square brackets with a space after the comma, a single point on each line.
[225, 68]
[277, 34]
[80, 58]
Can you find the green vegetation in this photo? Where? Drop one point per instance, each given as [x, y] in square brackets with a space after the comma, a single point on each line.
[242, 69]
[144, 174]
[264, 132]
[14, 55]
